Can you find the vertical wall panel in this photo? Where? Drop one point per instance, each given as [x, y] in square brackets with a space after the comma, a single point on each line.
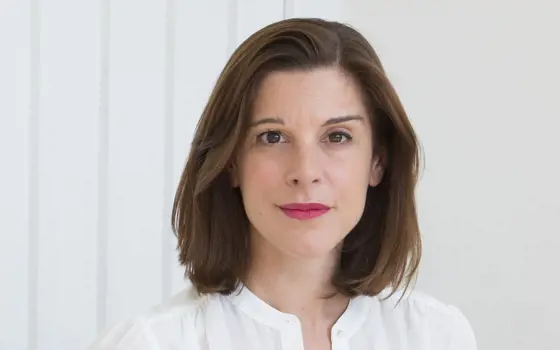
[68, 148]
[15, 102]
[168, 243]
[252, 15]
[201, 51]
[325, 9]
[103, 164]
[136, 156]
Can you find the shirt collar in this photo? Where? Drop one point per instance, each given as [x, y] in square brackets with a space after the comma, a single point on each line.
[349, 322]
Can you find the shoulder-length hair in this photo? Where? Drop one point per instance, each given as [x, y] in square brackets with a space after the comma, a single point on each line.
[208, 217]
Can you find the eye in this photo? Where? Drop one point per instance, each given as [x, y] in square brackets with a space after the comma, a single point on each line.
[339, 137]
[270, 137]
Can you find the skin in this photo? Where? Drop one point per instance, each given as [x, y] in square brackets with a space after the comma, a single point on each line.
[310, 142]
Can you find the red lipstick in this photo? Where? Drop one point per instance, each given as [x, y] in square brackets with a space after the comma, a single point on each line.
[304, 211]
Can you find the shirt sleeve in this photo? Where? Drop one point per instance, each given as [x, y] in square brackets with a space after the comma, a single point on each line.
[128, 335]
[461, 335]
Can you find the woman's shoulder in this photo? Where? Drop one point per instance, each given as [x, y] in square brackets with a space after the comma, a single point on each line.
[413, 300]
[420, 313]
[165, 323]
[413, 318]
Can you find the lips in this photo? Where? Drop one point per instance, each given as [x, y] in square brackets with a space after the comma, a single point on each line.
[304, 211]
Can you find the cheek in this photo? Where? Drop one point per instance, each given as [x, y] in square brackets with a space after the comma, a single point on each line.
[350, 181]
[260, 173]
[352, 171]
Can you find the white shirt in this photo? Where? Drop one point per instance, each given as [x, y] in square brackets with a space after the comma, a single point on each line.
[242, 321]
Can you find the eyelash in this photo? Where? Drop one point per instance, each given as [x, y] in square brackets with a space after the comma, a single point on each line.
[347, 137]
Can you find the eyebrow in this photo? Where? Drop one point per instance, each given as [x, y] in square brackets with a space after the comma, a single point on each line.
[331, 121]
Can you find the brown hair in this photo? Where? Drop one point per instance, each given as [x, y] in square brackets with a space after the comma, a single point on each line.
[208, 216]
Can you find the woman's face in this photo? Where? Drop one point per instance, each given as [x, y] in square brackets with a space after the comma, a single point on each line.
[307, 161]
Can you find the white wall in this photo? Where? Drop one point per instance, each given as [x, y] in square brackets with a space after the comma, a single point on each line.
[98, 101]
[480, 81]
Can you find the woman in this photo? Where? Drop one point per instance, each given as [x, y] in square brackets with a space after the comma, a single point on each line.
[295, 213]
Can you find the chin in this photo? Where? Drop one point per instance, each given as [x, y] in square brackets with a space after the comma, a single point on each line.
[301, 243]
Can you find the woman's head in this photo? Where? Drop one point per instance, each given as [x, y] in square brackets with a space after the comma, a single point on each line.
[303, 146]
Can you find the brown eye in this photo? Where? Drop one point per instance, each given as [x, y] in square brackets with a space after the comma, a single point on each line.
[270, 137]
[339, 137]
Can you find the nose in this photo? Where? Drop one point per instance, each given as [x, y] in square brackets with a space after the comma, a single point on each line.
[304, 167]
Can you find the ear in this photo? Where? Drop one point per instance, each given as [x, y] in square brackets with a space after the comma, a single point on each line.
[377, 171]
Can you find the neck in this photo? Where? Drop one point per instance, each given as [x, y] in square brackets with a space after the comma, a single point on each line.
[298, 286]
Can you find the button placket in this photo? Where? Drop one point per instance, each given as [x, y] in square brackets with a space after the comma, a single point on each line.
[339, 341]
[292, 338]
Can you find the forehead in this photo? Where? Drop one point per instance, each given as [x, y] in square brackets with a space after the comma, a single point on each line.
[320, 93]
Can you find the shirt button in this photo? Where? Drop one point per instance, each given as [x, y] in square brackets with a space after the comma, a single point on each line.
[340, 334]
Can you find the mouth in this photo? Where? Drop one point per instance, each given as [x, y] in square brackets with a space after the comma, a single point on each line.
[304, 211]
